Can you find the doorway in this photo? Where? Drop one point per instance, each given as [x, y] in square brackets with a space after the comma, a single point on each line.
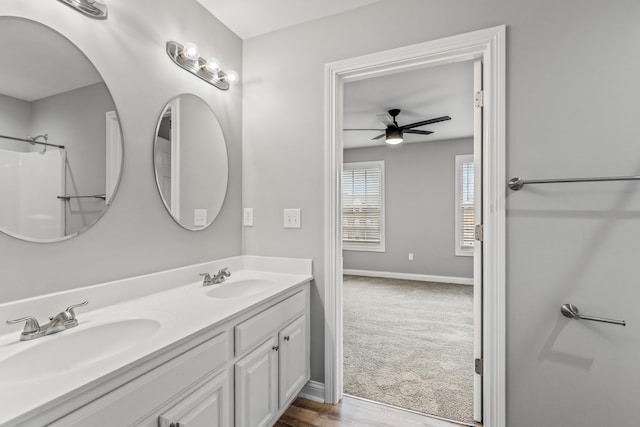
[408, 240]
[487, 45]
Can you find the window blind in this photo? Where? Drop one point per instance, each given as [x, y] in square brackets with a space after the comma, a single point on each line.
[362, 204]
[466, 194]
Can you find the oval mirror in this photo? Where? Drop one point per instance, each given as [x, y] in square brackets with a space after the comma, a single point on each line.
[60, 139]
[190, 161]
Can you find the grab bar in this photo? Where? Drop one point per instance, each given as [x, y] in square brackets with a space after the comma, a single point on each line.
[572, 312]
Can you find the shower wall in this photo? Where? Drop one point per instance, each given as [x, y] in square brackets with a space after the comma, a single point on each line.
[29, 185]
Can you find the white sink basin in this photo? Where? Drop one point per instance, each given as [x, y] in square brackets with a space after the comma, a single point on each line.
[240, 288]
[73, 349]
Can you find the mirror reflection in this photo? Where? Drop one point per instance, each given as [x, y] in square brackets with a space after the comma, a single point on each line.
[190, 159]
[60, 139]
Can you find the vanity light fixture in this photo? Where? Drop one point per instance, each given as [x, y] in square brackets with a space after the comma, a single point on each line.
[209, 70]
[93, 8]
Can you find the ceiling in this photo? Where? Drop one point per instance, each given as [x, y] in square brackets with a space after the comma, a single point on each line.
[421, 94]
[49, 63]
[250, 18]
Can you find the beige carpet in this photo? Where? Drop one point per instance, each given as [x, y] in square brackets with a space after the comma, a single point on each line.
[410, 344]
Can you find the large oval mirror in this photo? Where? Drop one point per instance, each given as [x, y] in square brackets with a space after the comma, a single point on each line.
[60, 139]
[190, 160]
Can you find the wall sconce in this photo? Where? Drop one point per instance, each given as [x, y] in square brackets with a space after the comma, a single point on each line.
[93, 8]
[209, 70]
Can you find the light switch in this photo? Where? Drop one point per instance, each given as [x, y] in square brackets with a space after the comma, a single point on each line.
[292, 218]
[200, 217]
[247, 217]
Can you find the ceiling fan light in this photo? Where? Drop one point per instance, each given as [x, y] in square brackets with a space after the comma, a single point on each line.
[393, 136]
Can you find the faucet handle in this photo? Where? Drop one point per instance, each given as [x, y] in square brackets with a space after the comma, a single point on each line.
[71, 307]
[30, 327]
[207, 279]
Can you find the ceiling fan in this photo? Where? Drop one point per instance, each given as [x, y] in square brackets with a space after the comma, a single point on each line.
[393, 133]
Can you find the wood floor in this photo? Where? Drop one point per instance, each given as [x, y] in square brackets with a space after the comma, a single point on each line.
[352, 412]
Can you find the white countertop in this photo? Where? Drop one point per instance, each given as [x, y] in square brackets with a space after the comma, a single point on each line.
[157, 320]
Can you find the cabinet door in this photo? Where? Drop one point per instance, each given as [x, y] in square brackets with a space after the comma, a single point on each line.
[256, 386]
[205, 407]
[294, 360]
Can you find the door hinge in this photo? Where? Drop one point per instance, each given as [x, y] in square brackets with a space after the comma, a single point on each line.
[479, 99]
[479, 232]
[479, 366]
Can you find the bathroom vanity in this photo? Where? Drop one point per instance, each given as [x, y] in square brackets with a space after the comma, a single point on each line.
[164, 350]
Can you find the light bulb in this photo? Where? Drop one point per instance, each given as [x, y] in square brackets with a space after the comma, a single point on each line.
[212, 65]
[393, 135]
[231, 77]
[190, 51]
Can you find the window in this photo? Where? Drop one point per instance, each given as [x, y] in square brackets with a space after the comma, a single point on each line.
[465, 211]
[363, 206]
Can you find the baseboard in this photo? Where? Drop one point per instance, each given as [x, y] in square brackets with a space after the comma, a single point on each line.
[410, 276]
[313, 390]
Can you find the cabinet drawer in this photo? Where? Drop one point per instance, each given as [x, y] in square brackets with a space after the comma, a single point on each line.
[253, 331]
[149, 393]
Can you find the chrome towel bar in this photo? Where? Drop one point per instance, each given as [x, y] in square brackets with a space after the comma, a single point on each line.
[94, 196]
[517, 183]
[572, 312]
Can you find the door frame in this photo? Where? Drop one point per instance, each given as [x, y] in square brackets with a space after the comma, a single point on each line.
[489, 45]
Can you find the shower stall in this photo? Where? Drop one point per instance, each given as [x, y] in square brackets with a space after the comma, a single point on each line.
[30, 185]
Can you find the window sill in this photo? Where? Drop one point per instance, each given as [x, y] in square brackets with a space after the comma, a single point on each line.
[363, 248]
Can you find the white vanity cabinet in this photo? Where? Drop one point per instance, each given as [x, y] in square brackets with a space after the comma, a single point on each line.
[269, 376]
[195, 384]
[256, 364]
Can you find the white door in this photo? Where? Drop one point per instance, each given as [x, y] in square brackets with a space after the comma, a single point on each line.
[293, 370]
[477, 248]
[256, 386]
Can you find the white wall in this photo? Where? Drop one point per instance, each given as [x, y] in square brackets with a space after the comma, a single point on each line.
[77, 120]
[136, 235]
[572, 91]
[14, 121]
[419, 209]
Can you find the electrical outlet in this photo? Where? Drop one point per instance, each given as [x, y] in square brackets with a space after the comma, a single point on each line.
[247, 217]
[410, 256]
[200, 217]
[292, 218]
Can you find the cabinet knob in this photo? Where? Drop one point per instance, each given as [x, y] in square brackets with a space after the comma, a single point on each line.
[286, 338]
[275, 347]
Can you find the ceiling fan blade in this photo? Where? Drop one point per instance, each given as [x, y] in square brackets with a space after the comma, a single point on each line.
[378, 137]
[386, 119]
[421, 132]
[378, 130]
[426, 122]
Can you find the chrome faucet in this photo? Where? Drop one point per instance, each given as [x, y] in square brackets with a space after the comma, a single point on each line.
[221, 276]
[64, 320]
[217, 278]
[206, 281]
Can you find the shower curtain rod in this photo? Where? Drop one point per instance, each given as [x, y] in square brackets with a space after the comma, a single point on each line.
[517, 183]
[31, 141]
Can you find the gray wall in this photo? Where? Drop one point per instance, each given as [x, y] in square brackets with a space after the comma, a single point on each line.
[136, 235]
[419, 209]
[14, 121]
[77, 120]
[572, 91]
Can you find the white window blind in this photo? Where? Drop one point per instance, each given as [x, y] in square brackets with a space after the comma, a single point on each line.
[465, 212]
[363, 206]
